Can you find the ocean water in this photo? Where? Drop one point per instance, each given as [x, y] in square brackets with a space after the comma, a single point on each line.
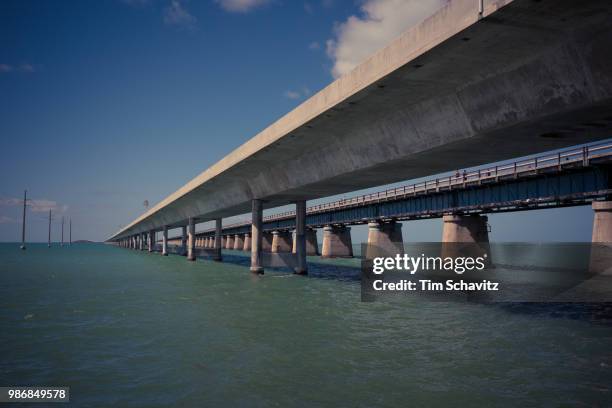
[132, 329]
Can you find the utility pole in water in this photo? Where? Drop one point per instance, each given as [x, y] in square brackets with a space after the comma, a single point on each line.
[25, 198]
[62, 231]
[49, 241]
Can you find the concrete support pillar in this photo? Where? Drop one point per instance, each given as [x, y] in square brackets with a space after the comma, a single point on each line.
[210, 242]
[465, 228]
[184, 239]
[281, 241]
[337, 242]
[246, 244]
[151, 240]
[229, 242]
[257, 236]
[601, 248]
[218, 240]
[238, 242]
[133, 240]
[191, 240]
[266, 241]
[299, 241]
[141, 243]
[470, 230]
[385, 239]
[312, 242]
[165, 241]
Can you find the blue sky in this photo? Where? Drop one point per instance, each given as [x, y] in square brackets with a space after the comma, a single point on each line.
[105, 104]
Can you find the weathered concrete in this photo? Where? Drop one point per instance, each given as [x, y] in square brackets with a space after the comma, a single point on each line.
[384, 239]
[257, 236]
[299, 242]
[465, 228]
[238, 242]
[466, 235]
[281, 241]
[247, 242]
[461, 88]
[601, 249]
[184, 239]
[229, 242]
[312, 242]
[191, 240]
[266, 241]
[337, 242]
[218, 240]
[165, 241]
[141, 241]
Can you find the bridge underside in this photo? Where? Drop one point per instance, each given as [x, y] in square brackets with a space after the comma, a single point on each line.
[530, 77]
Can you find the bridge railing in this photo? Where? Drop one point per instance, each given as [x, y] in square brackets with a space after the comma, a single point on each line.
[461, 179]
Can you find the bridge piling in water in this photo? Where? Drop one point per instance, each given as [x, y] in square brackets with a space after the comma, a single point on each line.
[337, 242]
[312, 243]
[299, 242]
[191, 240]
[238, 242]
[257, 236]
[218, 240]
[229, 242]
[281, 242]
[385, 237]
[165, 241]
[247, 242]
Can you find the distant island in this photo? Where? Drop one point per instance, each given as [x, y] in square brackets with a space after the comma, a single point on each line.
[83, 241]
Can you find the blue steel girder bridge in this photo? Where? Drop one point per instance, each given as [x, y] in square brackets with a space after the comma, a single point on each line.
[573, 177]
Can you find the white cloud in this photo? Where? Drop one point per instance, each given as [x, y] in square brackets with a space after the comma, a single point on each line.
[292, 94]
[42, 205]
[25, 68]
[314, 45]
[380, 22]
[241, 6]
[7, 220]
[176, 14]
[302, 93]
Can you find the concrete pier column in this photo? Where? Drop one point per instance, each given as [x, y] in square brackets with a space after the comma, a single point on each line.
[266, 241]
[133, 241]
[246, 246]
[385, 237]
[141, 243]
[601, 248]
[256, 236]
[281, 241]
[184, 239]
[466, 235]
[151, 240]
[299, 241]
[337, 242]
[165, 241]
[465, 228]
[238, 242]
[211, 242]
[312, 242]
[191, 240]
[229, 242]
[218, 240]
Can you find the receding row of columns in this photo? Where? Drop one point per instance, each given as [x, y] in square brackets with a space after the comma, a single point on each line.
[385, 235]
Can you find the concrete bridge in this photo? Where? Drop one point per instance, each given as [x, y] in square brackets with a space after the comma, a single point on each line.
[580, 176]
[477, 82]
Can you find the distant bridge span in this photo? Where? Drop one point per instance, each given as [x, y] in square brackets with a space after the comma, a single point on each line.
[478, 82]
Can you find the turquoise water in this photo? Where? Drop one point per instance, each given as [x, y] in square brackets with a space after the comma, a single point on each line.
[132, 329]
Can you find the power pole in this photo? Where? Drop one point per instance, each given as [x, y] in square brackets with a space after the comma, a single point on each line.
[62, 231]
[49, 241]
[70, 225]
[23, 226]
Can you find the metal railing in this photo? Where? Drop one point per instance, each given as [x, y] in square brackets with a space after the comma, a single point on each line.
[582, 155]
